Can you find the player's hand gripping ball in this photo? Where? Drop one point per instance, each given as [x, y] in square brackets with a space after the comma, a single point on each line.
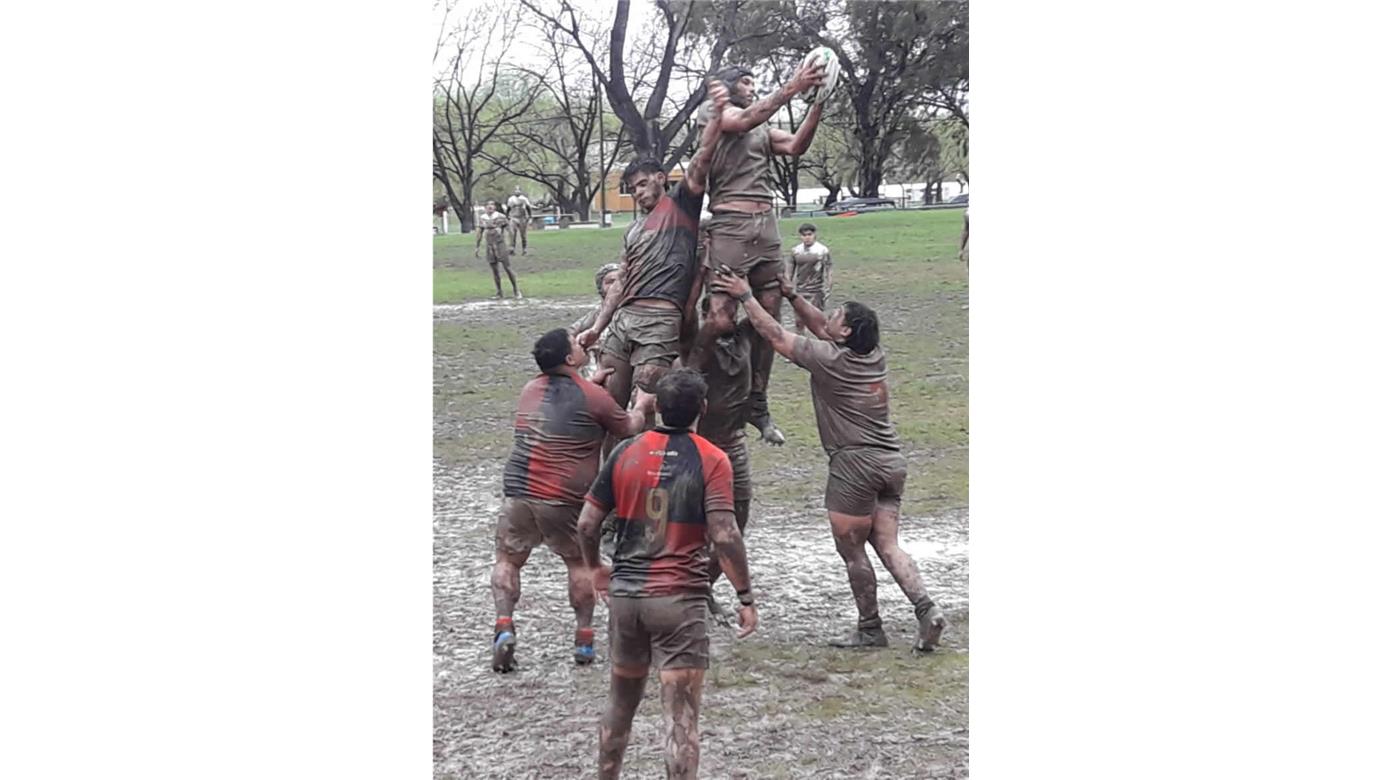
[824, 58]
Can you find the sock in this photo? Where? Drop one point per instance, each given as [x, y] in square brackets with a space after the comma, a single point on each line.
[871, 623]
[583, 637]
[504, 624]
[922, 607]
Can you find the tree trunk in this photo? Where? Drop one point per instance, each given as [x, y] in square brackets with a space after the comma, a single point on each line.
[466, 219]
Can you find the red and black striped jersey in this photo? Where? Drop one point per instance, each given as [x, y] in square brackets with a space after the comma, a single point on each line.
[560, 421]
[662, 483]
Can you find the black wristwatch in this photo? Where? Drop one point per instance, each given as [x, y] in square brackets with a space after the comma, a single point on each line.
[745, 597]
[745, 295]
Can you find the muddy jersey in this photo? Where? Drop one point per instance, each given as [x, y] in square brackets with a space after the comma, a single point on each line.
[740, 169]
[850, 395]
[659, 250]
[494, 226]
[662, 483]
[728, 374]
[517, 206]
[559, 425]
[811, 267]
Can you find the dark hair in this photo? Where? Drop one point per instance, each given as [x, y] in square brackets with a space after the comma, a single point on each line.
[552, 348]
[864, 325]
[807, 227]
[729, 75]
[490, 202]
[641, 165]
[679, 395]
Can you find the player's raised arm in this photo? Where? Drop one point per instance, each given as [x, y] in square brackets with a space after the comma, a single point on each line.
[796, 145]
[742, 120]
[699, 170]
[737, 287]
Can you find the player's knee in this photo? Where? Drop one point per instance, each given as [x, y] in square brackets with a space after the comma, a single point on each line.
[647, 376]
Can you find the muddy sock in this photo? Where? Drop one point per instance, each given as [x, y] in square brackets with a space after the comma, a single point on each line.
[504, 624]
[872, 623]
[922, 607]
[583, 637]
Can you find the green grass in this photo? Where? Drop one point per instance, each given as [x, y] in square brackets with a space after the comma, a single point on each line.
[902, 263]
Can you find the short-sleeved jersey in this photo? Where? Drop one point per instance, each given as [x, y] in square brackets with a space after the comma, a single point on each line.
[495, 225]
[517, 206]
[850, 395]
[728, 374]
[659, 250]
[740, 169]
[811, 267]
[559, 425]
[662, 483]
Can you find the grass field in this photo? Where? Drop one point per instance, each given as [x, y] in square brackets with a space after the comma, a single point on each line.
[779, 704]
[903, 264]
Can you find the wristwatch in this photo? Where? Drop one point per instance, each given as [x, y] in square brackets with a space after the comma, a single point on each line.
[745, 597]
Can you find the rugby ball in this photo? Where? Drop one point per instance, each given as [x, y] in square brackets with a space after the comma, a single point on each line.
[827, 59]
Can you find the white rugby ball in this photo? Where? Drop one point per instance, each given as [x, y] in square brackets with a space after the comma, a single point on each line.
[827, 58]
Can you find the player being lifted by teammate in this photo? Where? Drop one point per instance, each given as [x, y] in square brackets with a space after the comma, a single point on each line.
[658, 278]
[492, 228]
[850, 395]
[673, 494]
[560, 421]
[809, 268]
[744, 229]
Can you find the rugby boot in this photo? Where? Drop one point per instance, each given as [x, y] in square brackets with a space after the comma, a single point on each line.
[503, 647]
[868, 633]
[583, 647]
[931, 625]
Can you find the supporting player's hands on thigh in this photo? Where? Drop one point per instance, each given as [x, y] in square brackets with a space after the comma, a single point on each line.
[587, 338]
[645, 402]
[785, 285]
[731, 284]
[602, 576]
[748, 621]
[600, 376]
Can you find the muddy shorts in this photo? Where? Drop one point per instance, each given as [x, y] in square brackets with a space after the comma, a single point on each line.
[671, 630]
[748, 243]
[738, 451]
[645, 336]
[497, 254]
[525, 523]
[860, 477]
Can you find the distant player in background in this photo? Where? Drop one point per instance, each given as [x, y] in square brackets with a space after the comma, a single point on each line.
[744, 229]
[520, 212]
[560, 421]
[492, 227]
[809, 268]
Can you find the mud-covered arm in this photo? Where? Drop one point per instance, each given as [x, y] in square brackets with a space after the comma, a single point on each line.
[590, 533]
[796, 145]
[812, 318]
[737, 287]
[728, 544]
[699, 172]
[605, 312]
[742, 120]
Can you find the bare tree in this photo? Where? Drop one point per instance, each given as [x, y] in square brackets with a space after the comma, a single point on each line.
[896, 56]
[556, 144]
[471, 109]
[727, 23]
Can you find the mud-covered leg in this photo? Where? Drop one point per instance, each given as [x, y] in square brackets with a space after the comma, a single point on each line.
[619, 386]
[583, 600]
[496, 275]
[850, 533]
[505, 591]
[884, 537]
[761, 361]
[624, 695]
[680, 703]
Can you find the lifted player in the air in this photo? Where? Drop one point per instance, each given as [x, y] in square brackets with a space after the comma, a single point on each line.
[658, 278]
[744, 230]
[673, 493]
[866, 475]
[605, 277]
[559, 426]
